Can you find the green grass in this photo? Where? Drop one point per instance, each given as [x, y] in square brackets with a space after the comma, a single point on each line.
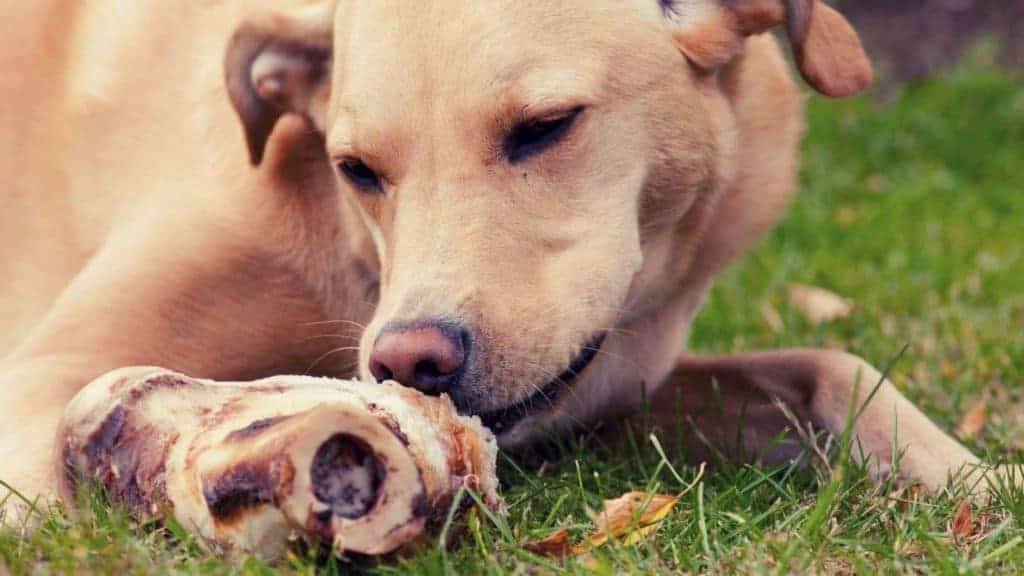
[914, 209]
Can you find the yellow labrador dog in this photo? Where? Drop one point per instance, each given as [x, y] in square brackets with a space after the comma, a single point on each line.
[518, 203]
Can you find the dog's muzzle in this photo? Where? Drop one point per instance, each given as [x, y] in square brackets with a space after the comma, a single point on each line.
[503, 419]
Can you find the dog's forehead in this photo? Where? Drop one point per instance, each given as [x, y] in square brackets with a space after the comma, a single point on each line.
[467, 23]
[451, 50]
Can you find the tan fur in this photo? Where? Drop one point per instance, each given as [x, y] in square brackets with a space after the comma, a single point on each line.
[135, 230]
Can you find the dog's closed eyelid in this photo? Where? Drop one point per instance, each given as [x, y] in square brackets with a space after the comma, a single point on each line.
[362, 176]
[534, 136]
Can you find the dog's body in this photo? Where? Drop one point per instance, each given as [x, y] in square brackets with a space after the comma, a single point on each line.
[135, 231]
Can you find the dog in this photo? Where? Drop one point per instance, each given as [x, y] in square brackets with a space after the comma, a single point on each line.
[520, 204]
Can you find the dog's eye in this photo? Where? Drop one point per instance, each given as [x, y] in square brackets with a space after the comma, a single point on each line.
[360, 175]
[533, 137]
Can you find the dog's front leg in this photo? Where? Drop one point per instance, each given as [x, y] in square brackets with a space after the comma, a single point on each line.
[161, 293]
[29, 415]
[733, 402]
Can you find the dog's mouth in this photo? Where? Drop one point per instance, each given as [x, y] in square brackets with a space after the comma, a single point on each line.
[503, 419]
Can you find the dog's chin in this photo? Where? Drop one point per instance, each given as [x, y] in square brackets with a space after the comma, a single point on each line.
[521, 421]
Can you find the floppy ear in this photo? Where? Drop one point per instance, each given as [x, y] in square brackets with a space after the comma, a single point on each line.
[826, 48]
[279, 64]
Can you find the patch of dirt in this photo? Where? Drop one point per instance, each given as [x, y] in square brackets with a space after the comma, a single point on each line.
[910, 39]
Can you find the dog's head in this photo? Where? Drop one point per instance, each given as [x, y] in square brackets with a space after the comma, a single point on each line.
[514, 162]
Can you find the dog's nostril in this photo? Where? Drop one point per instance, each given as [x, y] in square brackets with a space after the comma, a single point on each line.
[382, 373]
[428, 369]
[426, 355]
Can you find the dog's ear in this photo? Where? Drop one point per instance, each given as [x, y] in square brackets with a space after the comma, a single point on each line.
[826, 48]
[279, 64]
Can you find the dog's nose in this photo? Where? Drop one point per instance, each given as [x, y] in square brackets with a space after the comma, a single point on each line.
[428, 356]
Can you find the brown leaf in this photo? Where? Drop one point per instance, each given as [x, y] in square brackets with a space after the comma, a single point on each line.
[772, 318]
[555, 546]
[947, 368]
[629, 518]
[962, 525]
[632, 517]
[903, 497]
[973, 421]
[819, 305]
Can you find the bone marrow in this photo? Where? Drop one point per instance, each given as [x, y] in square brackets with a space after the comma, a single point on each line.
[346, 476]
[364, 468]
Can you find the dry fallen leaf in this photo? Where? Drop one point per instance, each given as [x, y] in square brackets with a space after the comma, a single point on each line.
[772, 318]
[904, 497]
[947, 368]
[962, 525]
[629, 518]
[819, 305]
[973, 421]
[632, 516]
[555, 546]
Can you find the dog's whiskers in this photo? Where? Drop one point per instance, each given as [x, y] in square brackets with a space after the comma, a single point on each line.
[616, 355]
[329, 353]
[336, 322]
[325, 336]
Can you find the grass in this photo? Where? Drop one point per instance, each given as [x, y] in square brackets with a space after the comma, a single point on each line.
[915, 210]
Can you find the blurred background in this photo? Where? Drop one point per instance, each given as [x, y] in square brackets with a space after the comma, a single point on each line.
[911, 208]
[910, 39]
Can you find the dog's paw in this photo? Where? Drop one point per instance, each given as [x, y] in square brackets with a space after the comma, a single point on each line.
[983, 483]
[27, 483]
